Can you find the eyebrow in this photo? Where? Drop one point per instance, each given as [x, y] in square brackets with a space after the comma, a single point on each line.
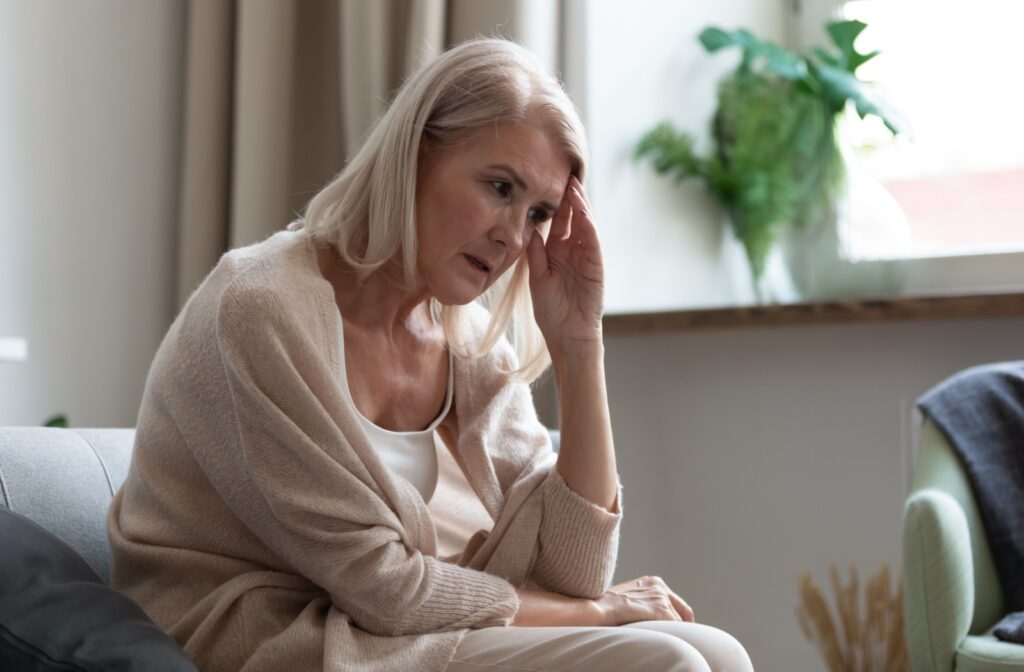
[521, 183]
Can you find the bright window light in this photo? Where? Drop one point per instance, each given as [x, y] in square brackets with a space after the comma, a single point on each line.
[956, 187]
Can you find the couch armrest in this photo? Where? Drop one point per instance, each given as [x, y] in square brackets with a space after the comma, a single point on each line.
[938, 575]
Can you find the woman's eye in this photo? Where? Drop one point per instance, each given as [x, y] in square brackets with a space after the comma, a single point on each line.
[538, 216]
[503, 188]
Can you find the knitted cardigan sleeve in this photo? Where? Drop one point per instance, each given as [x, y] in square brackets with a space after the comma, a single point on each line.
[577, 542]
[314, 503]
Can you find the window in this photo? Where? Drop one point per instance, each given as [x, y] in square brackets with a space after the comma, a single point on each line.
[954, 188]
[914, 224]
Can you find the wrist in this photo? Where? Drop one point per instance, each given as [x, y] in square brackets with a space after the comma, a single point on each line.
[599, 613]
[577, 354]
[544, 608]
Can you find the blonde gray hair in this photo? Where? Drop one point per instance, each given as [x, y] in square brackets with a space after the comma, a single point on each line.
[367, 212]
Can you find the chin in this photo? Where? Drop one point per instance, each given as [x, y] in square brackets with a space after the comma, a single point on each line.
[458, 296]
[459, 291]
[456, 303]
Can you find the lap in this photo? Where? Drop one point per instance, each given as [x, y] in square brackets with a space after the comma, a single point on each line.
[657, 646]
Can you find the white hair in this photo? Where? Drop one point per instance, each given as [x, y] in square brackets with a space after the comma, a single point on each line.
[367, 212]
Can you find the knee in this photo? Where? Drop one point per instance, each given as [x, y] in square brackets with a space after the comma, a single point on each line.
[662, 652]
[728, 655]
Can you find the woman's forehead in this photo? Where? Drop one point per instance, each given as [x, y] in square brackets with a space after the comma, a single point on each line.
[529, 151]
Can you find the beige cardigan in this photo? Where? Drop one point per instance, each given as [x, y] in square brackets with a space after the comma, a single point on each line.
[258, 527]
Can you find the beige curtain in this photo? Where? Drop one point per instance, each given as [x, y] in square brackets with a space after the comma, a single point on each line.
[278, 92]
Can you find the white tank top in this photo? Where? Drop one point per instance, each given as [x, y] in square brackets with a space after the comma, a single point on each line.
[411, 455]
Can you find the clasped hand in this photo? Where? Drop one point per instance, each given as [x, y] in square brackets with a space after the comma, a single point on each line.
[645, 599]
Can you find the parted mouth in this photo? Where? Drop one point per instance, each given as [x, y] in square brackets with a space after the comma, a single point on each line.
[478, 263]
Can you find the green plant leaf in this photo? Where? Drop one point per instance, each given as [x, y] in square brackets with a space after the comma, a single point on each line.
[714, 38]
[840, 86]
[844, 34]
[783, 63]
[864, 58]
[57, 421]
[671, 151]
[826, 56]
[747, 39]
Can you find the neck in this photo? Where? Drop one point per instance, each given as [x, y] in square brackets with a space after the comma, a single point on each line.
[380, 304]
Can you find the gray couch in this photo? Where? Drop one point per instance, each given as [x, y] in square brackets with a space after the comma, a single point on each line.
[64, 480]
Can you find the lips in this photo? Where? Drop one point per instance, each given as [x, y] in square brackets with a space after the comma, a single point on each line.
[478, 264]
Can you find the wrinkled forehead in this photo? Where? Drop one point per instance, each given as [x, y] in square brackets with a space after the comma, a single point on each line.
[534, 153]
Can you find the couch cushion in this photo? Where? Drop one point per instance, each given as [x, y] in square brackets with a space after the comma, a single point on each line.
[985, 653]
[64, 480]
[57, 614]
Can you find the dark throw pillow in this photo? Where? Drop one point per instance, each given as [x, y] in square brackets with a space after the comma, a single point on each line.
[57, 614]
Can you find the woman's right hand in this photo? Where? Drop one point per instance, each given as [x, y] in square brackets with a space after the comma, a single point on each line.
[645, 599]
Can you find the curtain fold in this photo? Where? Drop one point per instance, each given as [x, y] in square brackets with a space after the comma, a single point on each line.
[205, 186]
[278, 93]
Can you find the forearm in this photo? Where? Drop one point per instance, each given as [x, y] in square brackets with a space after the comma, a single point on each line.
[540, 608]
[586, 456]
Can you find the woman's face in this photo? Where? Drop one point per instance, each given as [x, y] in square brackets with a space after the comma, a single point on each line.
[481, 199]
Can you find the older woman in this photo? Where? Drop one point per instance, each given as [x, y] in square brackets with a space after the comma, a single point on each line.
[337, 463]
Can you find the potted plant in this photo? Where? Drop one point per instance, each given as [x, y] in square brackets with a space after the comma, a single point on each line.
[776, 161]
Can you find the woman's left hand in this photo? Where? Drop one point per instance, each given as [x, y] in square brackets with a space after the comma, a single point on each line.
[567, 275]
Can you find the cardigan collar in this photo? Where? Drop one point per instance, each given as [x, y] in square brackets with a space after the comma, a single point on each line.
[468, 377]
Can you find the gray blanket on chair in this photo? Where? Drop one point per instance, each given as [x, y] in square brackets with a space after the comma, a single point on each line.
[981, 412]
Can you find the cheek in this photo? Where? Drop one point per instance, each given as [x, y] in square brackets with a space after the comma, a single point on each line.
[446, 226]
[471, 212]
[462, 219]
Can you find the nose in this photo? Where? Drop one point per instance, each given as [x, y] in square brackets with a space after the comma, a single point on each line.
[510, 231]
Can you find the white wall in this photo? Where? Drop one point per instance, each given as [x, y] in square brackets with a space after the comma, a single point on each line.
[749, 455]
[89, 114]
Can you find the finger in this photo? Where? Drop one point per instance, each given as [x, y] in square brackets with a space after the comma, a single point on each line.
[578, 228]
[576, 180]
[584, 230]
[684, 610]
[577, 201]
[583, 193]
[560, 220]
[672, 610]
[678, 603]
[580, 209]
[536, 256]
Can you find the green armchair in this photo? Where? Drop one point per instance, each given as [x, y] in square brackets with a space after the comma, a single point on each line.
[952, 594]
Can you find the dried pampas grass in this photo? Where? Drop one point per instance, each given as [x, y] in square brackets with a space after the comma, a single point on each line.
[872, 643]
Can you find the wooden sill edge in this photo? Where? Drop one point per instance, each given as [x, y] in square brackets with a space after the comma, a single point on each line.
[1009, 304]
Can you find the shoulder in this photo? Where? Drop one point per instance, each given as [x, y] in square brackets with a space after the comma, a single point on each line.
[268, 289]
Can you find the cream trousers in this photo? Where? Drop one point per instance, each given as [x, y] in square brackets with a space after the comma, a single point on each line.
[647, 646]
